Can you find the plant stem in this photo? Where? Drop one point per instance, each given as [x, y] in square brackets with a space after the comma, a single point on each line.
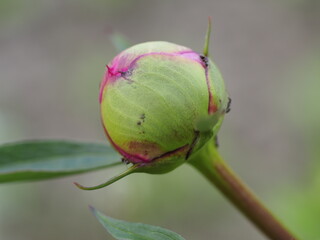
[209, 162]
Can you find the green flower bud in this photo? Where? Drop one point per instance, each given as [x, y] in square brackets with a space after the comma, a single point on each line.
[160, 103]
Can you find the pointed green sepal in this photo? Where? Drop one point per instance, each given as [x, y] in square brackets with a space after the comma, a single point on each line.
[207, 39]
[130, 170]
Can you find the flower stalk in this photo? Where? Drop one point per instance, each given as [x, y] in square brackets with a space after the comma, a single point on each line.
[209, 162]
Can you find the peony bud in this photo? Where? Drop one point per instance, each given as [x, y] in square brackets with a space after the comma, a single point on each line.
[160, 103]
[152, 96]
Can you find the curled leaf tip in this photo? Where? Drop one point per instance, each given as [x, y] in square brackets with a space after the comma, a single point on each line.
[79, 185]
[207, 39]
[110, 181]
[93, 187]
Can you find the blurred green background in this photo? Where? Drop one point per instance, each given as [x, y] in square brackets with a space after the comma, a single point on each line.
[52, 58]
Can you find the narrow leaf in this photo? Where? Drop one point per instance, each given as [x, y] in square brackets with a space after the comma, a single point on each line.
[207, 39]
[37, 160]
[134, 231]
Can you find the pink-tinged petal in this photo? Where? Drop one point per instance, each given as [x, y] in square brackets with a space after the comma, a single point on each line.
[131, 157]
[145, 147]
[212, 107]
[120, 69]
[123, 63]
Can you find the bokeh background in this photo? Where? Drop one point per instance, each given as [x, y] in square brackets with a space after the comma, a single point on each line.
[52, 58]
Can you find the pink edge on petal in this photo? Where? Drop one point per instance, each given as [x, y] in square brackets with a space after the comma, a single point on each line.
[176, 151]
[135, 158]
[192, 56]
[119, 65]
[187, 54]
[212, 107]
[103, 84]
[112, 73]
[131, 157]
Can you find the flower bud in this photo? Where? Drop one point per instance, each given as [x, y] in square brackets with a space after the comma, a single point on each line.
[160, 103]
[152, 96]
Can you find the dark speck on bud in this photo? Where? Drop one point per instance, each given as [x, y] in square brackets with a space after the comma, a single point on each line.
[204, 59]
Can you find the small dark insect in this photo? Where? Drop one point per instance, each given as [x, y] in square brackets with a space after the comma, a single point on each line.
[123, 74]
[139, 123]
[125, 160]
[228, 106]
[126, 74]
[204, 59]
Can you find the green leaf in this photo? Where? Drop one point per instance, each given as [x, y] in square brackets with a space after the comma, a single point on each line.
[37, 160]
[134, 231]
